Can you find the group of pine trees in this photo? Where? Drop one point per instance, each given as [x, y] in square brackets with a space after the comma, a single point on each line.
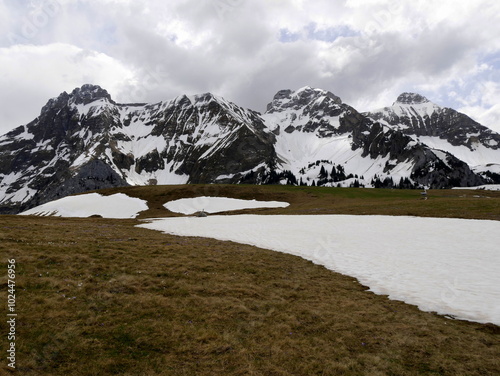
[333, 177]
[388, 182]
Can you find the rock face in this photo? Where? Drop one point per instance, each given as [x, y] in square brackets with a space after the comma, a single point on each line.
[84, 140]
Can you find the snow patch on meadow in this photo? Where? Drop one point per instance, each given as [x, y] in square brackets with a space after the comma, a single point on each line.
[218, 204]
[118, 205]
[445, 265]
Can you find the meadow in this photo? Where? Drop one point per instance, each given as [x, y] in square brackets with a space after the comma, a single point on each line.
[98, 296]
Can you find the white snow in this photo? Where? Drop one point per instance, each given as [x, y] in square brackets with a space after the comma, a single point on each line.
[96, 107]
[25, 135]
[487, 187]
[118, 205]
[415, 109]
[478, 157]
[449, 266]
[443, 156]
[7, 180]
[22, 194]
[218, 204]
[492, 167]
[142, 145]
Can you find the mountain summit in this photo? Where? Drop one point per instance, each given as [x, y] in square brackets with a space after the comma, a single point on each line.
[84, 140]
[411, 98]
[89, 93]
[305, 96]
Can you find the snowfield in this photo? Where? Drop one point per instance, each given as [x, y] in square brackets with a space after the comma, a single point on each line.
[218, 204]
[450, 266]
[118, 205]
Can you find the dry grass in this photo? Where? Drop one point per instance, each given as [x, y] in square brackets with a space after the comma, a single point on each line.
[102, 297]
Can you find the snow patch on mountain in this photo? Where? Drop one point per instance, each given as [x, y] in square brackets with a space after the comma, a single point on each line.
[22, 194]
[479, 156]
[159, 177]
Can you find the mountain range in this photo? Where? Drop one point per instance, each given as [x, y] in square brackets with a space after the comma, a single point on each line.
[84, 140]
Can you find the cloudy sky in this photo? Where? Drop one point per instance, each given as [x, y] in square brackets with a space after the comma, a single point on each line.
[365, 51]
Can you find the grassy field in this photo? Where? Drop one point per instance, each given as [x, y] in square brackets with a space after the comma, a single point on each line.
[102, 297]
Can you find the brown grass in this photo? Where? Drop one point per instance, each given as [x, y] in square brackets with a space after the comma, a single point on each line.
[102, 297]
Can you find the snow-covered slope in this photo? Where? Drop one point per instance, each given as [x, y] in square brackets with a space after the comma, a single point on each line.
[309, 126]
[486, 187]
[450, 266]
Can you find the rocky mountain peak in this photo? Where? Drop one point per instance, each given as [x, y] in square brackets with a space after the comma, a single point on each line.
[308, 93]
[282, 94]
[83, 95]
[300, 98]
[89, 93]
[411, 98]
[205, 97]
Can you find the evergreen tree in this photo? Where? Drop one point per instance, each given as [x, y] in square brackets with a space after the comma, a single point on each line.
[322, 177]
[322, 173]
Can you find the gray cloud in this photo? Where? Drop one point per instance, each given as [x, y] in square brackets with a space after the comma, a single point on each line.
[365, 52]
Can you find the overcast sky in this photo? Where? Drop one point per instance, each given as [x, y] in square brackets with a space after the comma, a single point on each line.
[365, 51]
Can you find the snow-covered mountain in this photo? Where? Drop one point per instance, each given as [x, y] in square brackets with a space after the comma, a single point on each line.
[326, 142]
[84, 140]
[444, 129]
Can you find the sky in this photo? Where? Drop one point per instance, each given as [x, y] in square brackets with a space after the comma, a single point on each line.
[366, 52]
